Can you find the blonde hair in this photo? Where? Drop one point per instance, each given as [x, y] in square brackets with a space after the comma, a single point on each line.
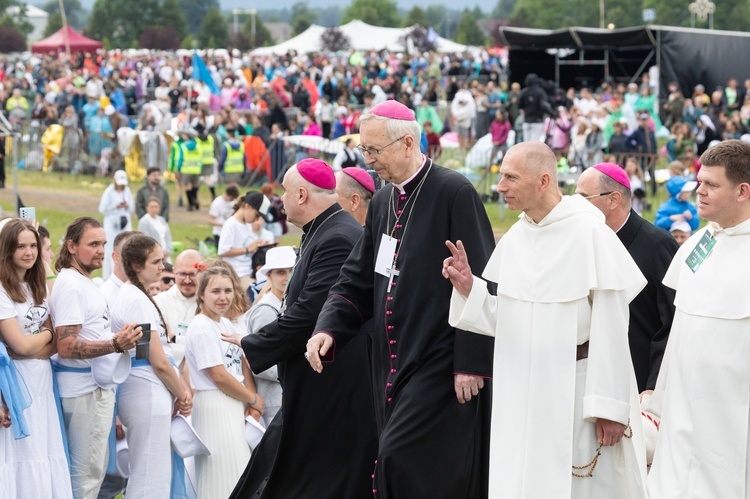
[240, 302]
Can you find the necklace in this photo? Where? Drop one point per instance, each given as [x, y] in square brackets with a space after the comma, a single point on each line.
[392, 206]
[302, 247]
[393, 271]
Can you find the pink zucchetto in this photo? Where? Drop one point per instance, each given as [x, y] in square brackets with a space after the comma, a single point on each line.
[361, 176]
[317, 172]
[615, 172]
[394, 110]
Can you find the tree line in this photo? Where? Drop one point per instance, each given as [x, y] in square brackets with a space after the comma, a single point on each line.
[170, 24]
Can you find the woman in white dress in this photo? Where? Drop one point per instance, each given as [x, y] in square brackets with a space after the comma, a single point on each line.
[237, 316]
[278, 268]
[237, 242]
[34, 466]
[224, 391]
[154, 389]
[153, 225]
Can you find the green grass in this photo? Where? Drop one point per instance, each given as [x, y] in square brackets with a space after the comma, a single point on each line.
[87, 190]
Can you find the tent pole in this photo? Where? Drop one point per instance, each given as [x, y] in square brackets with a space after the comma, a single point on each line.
[65, 28]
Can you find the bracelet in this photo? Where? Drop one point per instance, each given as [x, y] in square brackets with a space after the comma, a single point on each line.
[50, 277]
[255, 401]
[51, 332]
[116, 346]
[247, 250]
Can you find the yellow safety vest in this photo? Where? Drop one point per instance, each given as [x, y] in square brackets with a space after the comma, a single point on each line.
[207, 146]
[235, 162]
[174, 154]
[192, 163]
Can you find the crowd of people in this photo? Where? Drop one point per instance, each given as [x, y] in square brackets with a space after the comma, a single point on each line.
[325, 370]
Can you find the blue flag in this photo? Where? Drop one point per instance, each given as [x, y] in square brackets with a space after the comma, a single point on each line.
[201, 72]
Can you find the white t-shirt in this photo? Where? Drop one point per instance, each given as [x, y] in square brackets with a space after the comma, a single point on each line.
[235, 234]
[221, 210]
[30, 317]
[133, 306]
[77, 301]
[204, 349]
[110, 288]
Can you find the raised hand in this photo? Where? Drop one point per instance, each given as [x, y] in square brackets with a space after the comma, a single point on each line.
[456, 268]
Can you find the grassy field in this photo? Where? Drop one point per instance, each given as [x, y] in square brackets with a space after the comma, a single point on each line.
[60, 197]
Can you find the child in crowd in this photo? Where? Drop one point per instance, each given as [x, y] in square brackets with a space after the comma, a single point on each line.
[678, 207]
[681, 231]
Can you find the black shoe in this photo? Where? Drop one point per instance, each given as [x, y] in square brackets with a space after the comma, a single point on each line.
[190, 207]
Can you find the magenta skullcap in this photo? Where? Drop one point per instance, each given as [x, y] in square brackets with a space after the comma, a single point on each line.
[615, 172]
[394, 110]
[317, 172]
[361, 176]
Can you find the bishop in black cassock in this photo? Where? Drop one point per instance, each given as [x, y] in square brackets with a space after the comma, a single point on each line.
[652, 249]
[322, 443]
[430, 445]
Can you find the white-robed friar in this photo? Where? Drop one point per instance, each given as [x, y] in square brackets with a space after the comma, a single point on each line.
[563, 287]
[702, 394]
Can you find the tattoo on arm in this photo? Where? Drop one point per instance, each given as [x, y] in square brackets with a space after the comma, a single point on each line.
[64, 332]
[68, 343]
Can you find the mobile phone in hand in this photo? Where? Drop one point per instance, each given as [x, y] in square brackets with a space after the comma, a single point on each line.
[141, 344]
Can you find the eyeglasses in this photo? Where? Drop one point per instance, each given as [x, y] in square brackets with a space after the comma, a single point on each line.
[185, 275]
[167, 280]
[375, 152]
[598, 195]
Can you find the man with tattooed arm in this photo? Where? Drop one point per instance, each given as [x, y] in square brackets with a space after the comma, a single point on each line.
[81, 318]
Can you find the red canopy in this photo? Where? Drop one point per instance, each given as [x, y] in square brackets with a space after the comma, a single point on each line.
[56, 42]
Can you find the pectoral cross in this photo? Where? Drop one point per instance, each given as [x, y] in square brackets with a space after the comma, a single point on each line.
[394, 272]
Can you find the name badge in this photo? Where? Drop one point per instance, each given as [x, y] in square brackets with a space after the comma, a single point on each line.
[701, 251]
[182, 329]
[386, 251]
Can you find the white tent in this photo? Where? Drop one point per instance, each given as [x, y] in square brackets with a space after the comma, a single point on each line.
[362, 36]
[35, 16]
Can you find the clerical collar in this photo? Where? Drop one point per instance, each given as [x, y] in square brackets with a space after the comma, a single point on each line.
[623, 224]
[402, 187]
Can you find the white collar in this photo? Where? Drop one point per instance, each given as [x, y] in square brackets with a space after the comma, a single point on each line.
[623, 224]
[400, 187]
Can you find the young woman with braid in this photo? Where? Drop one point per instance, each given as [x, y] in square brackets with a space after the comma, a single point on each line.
[36, 464]
[154, 390]
[218, 373]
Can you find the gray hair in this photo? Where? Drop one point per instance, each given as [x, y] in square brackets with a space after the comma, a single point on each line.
[607, 183]
[396, 128]
[351, 186]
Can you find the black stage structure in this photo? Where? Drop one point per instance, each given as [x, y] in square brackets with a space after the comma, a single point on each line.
[577, 57]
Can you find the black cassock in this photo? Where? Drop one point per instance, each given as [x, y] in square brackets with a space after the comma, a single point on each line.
[430, 446]
[323, 441]
[652, 311]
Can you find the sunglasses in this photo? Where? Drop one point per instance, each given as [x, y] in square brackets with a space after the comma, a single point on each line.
[167, 280]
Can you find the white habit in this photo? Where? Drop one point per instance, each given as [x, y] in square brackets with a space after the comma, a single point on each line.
[561, 282]
[703, 390]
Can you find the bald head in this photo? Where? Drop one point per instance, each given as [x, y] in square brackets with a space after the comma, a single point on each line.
[529, 179]
[186, 273]
[303, 200]
[538, 158]
[609, 196]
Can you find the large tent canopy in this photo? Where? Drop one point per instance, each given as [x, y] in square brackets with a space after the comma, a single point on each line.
[362, 36]
[56, 42]
[576, 57]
